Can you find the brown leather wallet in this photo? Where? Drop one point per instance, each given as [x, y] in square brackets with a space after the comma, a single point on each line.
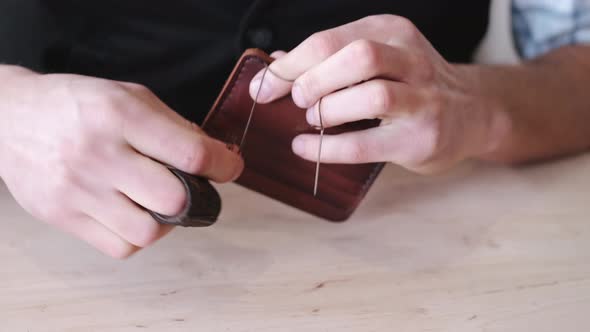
[271, 167]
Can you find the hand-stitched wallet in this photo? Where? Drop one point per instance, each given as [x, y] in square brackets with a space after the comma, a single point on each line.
[271, 167]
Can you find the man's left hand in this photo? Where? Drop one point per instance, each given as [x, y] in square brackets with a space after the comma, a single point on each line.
[382, 67]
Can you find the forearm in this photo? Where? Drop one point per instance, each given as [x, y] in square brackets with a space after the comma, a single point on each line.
[547, 101]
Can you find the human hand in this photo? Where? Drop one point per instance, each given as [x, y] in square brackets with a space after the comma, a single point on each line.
[80, 153]
[382, 67]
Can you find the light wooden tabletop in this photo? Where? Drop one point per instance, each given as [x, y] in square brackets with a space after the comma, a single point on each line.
[481, 248]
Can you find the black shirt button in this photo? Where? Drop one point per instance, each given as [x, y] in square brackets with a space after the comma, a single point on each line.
[260, 37]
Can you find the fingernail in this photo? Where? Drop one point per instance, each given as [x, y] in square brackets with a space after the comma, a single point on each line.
[260, 93]
[297, 95]
[298, 146]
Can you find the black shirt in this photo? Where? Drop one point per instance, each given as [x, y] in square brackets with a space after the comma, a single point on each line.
[184, 49]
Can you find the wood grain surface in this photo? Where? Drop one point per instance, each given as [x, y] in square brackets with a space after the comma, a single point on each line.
[482, 248]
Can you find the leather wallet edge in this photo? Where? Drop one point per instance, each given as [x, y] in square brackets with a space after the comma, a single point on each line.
[229, 83]
[226, 92]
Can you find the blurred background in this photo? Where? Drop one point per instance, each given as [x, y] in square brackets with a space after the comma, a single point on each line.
[25, 29]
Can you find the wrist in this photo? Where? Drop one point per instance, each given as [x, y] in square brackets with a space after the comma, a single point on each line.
[499, 129]
[496, 124]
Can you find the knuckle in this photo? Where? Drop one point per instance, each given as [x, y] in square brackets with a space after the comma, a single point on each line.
[196, 157]
[382, 18]
[426, 71]
[103, 114]
[117, 104]
[136, 91]
[308, 86]
[323, 43]
[136, 87]
[148, 234]
[404, 28]
[382, 23]
[381, 98]
[367, 55]
[357, 152]
[110, 116]
[76, 155]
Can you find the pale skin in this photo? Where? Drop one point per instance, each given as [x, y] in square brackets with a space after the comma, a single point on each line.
[434, 114]
[84, 153]
[80, 153]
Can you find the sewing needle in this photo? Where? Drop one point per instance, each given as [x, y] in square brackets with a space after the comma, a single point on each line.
[318, 162]
[252, 110]
[317, 167]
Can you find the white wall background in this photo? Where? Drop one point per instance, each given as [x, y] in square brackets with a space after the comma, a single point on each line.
[498, 45]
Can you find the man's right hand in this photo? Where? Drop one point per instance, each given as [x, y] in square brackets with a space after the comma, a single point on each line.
[84, 154]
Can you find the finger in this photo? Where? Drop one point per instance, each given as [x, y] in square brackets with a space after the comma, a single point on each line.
[126, 219]
[277, 54]
[320, 46]
[181, 145]
[273, 86]
[217, 162]
[150, 184]
[397, 142]
[375, 99]
[349, 148]
[385, 29]
[100, 237]
[309, 53]
[363, 60]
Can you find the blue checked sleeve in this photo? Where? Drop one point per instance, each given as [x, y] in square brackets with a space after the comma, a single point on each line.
[542, 25]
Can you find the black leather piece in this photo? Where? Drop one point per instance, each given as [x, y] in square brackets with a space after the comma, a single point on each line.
[203, 203]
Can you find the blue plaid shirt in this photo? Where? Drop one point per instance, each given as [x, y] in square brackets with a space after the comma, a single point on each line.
[542, 25]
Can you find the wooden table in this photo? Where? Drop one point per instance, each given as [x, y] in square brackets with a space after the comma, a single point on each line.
[481, 249]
